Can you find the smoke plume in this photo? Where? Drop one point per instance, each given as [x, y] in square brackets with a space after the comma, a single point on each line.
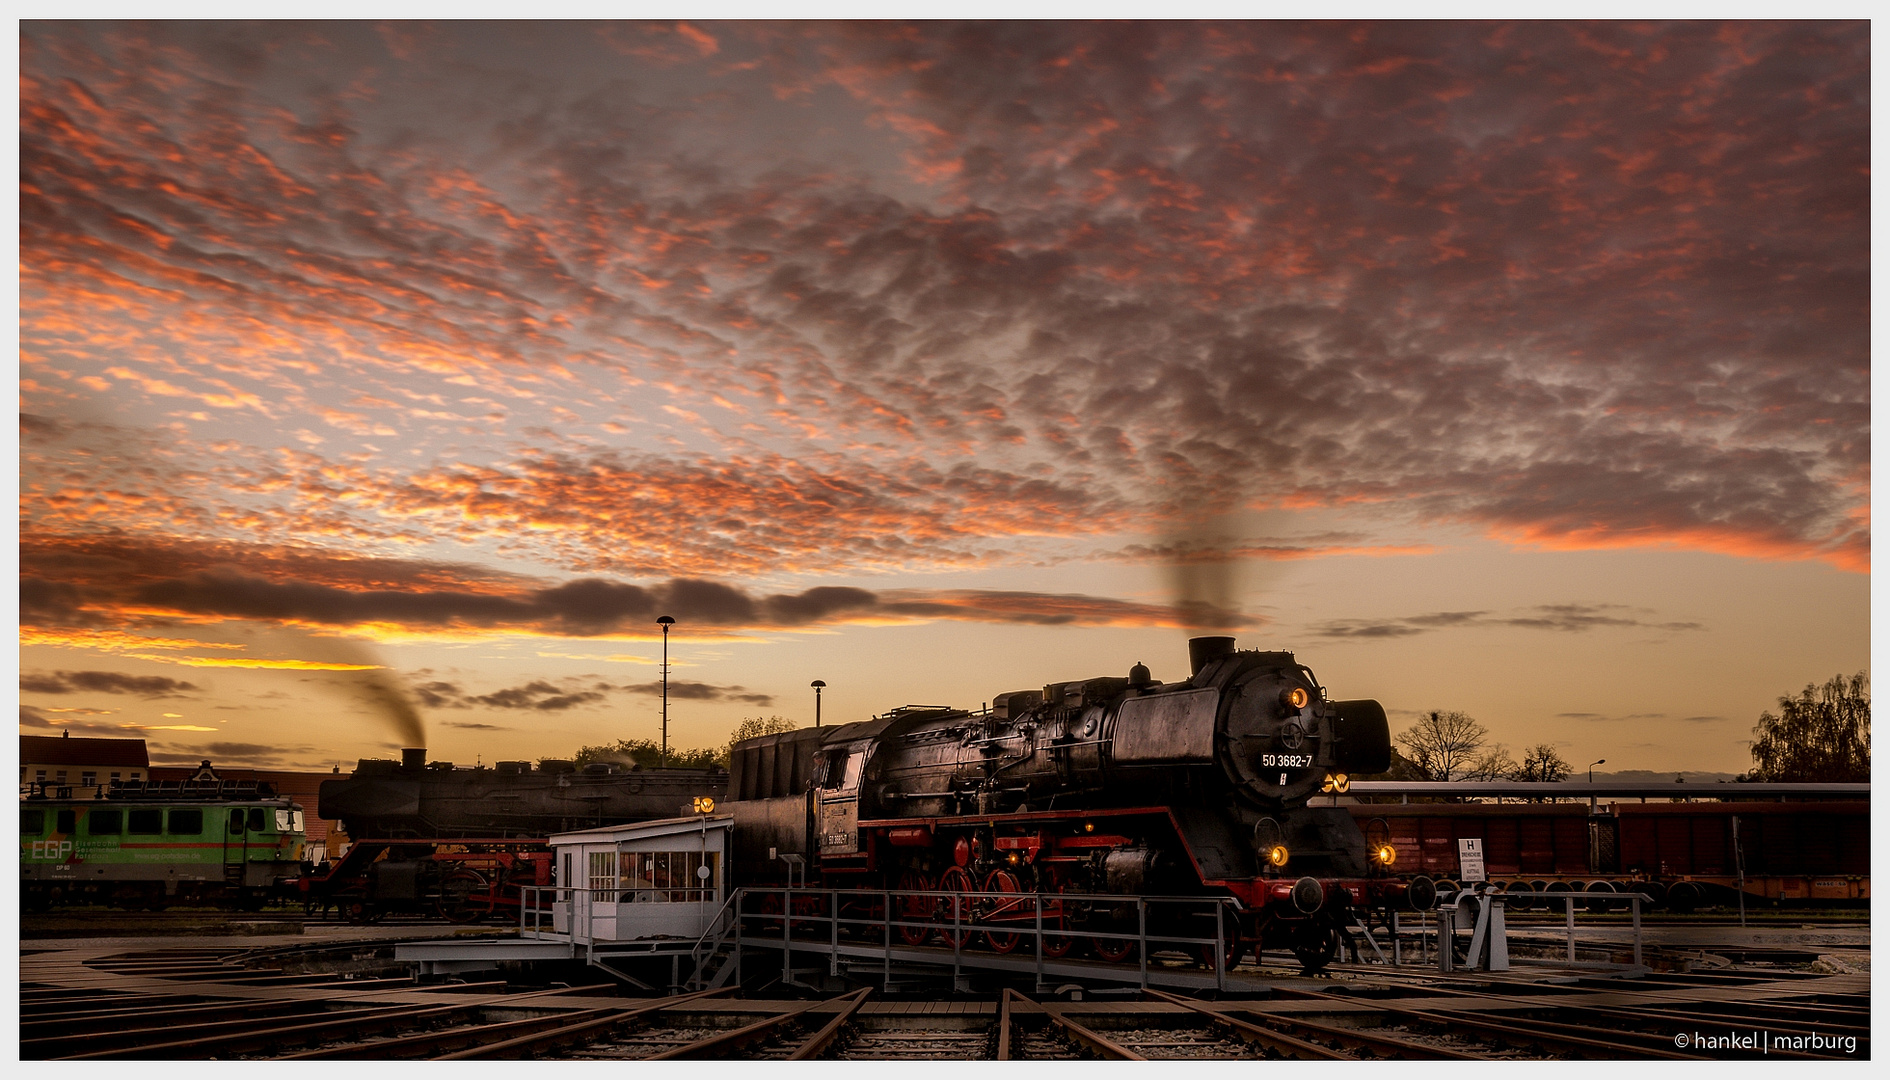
[374, 686]
[1208, 573]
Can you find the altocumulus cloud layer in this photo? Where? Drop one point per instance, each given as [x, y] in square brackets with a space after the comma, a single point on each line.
[662, 306]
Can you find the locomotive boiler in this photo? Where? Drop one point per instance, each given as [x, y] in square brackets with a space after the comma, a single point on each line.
[1092, 788]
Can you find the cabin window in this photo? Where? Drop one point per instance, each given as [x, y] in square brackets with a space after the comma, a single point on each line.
[32, 822]
[144, 822]
[65, 822]
[282, 821]
[236, 820]
[564, 876]
[105, 822]
[187, 822]
[668, 876]
[843, 770]
[603, 869]
[258, 821]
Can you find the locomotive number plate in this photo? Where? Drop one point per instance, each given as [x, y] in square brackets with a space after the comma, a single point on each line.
[1286, 761]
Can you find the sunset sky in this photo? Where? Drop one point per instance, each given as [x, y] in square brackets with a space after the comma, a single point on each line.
[1518, 369]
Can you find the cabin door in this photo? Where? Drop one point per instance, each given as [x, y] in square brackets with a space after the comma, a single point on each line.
[837, 804]
[235, 848]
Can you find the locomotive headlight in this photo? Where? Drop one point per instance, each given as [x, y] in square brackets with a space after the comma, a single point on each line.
[1277, 856]
[1386, 855]
[1294, 698]
[1013, 858]
[1088, 827]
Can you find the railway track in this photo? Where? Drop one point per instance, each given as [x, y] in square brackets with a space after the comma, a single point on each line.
[233, 1003]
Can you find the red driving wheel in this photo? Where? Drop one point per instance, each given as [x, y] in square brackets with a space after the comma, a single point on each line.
[915, 909]
[1057, 945]
[1113, 950]
[1002, 881]
[955, 880]
[1232, 948]
[461, 891]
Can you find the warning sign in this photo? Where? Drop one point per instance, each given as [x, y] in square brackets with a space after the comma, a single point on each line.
[1470, 859]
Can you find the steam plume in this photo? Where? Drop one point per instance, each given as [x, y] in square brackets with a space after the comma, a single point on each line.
[1207, 573]
[374, 686]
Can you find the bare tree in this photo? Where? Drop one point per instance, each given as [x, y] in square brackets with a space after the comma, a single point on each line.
[1491, 764]
[1820, 736]
[1541, 764]
[1443, 744]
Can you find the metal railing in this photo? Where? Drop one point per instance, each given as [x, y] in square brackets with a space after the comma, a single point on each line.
[718, 928]
[1005, 923]
[537, 902]
[973, 925]
[1483, 898]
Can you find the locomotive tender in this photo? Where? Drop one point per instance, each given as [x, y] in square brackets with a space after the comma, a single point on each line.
[1093, 788]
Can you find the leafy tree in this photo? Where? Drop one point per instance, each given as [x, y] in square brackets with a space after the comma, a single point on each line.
[755, 727]
[1541, 764]
[648, 753]
[1820, 736]
[1444, 745]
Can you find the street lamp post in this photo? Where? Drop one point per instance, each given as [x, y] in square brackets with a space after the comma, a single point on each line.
[817, 684]
[662, 756]
[1591, 768]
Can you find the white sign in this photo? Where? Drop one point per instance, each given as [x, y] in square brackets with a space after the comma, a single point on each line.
[1470, 859]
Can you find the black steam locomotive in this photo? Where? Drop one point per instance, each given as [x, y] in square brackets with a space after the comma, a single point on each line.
[431, 837]
[1094, 788]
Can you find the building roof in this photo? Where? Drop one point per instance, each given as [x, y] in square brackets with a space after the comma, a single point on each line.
[644, 829]
[105, 753]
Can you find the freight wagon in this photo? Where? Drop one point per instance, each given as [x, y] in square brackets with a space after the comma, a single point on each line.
[1683, 854]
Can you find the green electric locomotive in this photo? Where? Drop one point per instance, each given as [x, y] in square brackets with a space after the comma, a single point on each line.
[231, 842]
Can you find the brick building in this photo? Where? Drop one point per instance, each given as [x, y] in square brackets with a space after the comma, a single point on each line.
[81, 763]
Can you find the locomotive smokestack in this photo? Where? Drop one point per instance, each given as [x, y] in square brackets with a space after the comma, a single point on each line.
[414, 758]
[1203, 651]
